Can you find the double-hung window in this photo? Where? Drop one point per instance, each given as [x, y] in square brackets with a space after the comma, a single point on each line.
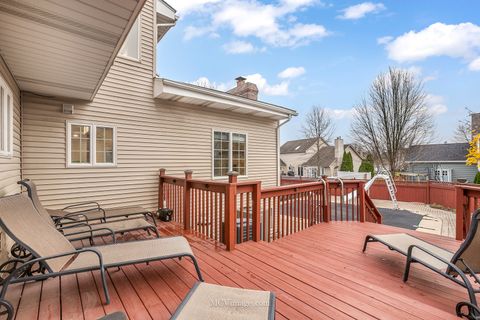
[6, 120]
[131, 46]
[229, 153]
[90, 145]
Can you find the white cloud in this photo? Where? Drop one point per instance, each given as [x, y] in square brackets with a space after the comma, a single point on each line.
[291, 72]
[475, 65]
[205, 82]
[239, 47]
[439, 39]
[280, 89]
[338, 114]
[435, 104]
[360, 10]
[184, 7]
[384, 40]
[273, 23]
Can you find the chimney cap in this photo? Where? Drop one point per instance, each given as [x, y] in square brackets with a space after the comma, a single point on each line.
[240, 78]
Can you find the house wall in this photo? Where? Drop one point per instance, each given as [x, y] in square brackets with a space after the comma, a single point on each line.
[459, 170]
[151, 134]
[297, 159]
[10, 169]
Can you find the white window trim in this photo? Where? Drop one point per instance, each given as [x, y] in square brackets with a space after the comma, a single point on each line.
[7, 121]
[93, 145]
[139, 47]
[230, 159]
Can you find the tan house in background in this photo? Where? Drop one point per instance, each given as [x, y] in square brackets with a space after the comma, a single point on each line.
[301, 157]
[85, 116]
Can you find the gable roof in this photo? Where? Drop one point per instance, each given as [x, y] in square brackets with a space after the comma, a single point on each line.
[325, 156]
[297, 146]
[445, 152]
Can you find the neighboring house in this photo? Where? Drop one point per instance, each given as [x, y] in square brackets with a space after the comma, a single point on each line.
[301, 157]
[440, 162]
[85, 116]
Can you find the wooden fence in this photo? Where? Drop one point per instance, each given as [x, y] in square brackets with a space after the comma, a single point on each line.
[234, 212]
[468, 200]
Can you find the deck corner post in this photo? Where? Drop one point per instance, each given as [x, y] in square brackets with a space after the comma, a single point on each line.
[230, 210]
[459, 213]
[361, 194]
[326, 206]
[161, 195]
[186, 200]
[256, 198]
[428, 191]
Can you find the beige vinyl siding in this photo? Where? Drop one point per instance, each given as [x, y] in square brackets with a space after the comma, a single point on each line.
[10, 167]
[151, 134]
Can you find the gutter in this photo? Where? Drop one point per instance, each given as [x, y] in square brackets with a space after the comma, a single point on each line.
[290, 116]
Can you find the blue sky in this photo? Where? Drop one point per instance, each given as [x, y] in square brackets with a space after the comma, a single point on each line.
[308, 52]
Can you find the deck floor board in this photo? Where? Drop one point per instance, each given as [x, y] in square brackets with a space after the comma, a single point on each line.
[318, 273]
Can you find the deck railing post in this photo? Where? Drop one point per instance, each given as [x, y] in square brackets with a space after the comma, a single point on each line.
[187, 200]
[460, 213]
[161, 196]
[361, 195]
[231, 211]
[326, 204]
[256, 198]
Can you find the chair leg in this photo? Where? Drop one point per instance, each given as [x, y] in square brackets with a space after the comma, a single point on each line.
[367, 240]
[156, 232]
[407, 269]
[105, 287]
[197, 268]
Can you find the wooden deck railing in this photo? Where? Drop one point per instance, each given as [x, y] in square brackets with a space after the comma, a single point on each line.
[468, 200]
[234, 212]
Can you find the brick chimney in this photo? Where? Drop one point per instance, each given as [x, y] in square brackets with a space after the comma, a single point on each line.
[245, 89]
[475, 123]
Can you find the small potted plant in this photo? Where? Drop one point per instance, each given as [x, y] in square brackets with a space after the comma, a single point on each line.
[165, 214]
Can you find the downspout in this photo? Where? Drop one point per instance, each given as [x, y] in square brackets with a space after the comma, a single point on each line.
[278, 146]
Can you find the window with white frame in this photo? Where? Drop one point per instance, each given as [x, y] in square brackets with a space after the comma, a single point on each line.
[6, 119]
[131, 46]
[91, 145]
[229, 153]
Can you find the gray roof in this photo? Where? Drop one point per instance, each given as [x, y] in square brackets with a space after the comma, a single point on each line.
[325, 156]
[444, 152]
[297, 146]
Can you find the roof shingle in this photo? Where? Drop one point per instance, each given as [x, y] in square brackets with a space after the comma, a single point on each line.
[437, 152]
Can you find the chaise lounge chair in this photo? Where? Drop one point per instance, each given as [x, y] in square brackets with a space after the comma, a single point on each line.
[457, 266]
[211, 301]
[90, 210]
[51, 249]
[84, 229]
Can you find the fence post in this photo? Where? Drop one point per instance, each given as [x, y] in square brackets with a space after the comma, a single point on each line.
[161, 196]
[460, 213]
[231, 211]
[361, 195]
[186, 200]
[326, 203]
[428, 191]
[256, 198]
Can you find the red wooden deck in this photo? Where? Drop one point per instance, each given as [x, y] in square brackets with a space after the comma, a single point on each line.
[318, 273]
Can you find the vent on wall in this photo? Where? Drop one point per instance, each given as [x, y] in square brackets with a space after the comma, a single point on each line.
[67, 108]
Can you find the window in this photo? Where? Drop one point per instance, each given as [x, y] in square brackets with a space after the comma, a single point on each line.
[6, 120]
[443, 175]
[91, 145]
[229, 153]
[131, 46]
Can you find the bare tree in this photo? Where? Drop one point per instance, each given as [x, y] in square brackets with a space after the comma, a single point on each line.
[318, 124]
[463, 132]
[392, 118]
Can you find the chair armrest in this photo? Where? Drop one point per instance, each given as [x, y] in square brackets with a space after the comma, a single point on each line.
[29, 263]
[462, 275]
[82, 204]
